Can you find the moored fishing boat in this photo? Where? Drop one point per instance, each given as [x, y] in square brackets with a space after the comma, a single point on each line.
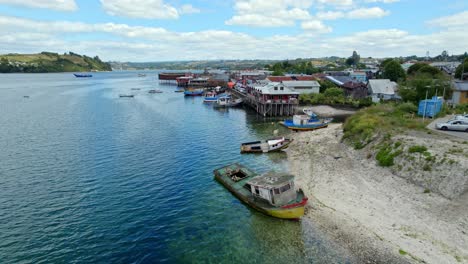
[155, 91]
[269, 145]
[272, 193]
[210, 97]
[193, 92]
[82, 75]
[127, 95]
[308, 121]
[227, 101]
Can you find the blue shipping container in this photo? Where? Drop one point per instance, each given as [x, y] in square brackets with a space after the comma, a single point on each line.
[432, 107]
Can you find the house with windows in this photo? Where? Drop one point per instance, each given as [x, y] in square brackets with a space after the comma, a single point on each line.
[382, 89]
[273, 99]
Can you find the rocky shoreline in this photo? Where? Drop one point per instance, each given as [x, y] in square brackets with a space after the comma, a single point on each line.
[371, 212]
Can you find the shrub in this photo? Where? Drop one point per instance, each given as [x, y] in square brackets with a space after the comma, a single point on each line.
[386, 155]
[416, 148]
[407, 108]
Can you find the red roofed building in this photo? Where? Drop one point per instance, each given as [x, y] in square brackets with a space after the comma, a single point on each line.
[279, 78]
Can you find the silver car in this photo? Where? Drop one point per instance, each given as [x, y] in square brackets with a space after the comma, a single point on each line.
[457, 125]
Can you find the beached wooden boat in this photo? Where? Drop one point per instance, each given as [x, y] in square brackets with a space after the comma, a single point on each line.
[272, 193]
[127, 95]
[269, 145]
[308, 121]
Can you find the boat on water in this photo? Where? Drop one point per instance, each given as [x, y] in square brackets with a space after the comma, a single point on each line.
[210, 97]
[308, 121]
[271, 193]
[141, 75]
[193, 92]
[82, 75]
[135, 89]
[269, 145]
[178, 91]
[127, 95]
[227, 101]
[155, 91]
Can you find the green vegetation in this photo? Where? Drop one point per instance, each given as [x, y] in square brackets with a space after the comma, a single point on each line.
[461, 67]
[424, 79]
[402, 252]
[386, 155]
[51, 62]
[333, 96]
[379, 120]
[416, 148]
[299, 67]
[393, 71]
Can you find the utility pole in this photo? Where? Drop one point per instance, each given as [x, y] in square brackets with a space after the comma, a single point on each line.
[425, 104]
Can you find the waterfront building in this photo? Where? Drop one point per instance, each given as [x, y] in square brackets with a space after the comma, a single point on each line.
[303, 86]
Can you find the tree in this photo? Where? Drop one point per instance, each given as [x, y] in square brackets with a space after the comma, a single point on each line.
[277, 73]
[325, 84]
[423, 68]
[394, 71]
[349, 61]
[356, 58]
[462, 68]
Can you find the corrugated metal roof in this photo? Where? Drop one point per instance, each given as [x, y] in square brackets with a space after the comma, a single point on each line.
[270, 89]
[460, 85]
[301, 83]
[382, 86]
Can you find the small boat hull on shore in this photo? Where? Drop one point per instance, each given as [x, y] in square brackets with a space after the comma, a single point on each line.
[241, 182]
[289, 124]
[306, 122]
[269, 145]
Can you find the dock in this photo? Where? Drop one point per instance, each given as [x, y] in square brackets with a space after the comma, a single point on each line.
[269, 108]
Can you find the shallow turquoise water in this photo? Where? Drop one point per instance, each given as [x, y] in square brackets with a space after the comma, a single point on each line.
[86, 176]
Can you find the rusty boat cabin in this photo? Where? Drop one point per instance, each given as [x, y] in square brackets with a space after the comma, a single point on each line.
[271, 193]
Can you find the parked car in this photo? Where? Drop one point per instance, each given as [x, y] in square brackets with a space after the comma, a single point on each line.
[463, 117]
[458, 125]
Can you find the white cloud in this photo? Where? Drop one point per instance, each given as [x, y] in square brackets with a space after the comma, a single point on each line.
[188, 9]
[456, 20]
[365, 13]
[338, 3]
[382, 1]
[59, 5]
[148, 9]
[138, 43]
[330, 15]
[315, 26]
[269, 13]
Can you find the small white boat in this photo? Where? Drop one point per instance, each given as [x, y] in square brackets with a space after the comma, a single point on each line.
[210, 97]
[155, 91]
[227, 101]
[269, 145]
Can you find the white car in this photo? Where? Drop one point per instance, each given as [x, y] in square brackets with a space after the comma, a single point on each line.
[458, 125]
[463, 117]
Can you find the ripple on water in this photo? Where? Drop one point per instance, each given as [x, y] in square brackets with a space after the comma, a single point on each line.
[86, 176]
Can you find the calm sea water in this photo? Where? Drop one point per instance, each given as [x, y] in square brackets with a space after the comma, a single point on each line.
[88, 177]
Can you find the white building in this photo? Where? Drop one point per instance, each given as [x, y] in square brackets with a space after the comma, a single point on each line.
[382, 89]
[303, 87]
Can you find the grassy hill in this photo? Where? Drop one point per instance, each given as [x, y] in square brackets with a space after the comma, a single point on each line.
[51, 62]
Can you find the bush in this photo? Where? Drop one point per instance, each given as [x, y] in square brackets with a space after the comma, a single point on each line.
[407, 108]
[416, 148]
[386, 155]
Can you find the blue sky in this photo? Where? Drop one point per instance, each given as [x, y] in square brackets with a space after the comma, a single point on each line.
[162, 30]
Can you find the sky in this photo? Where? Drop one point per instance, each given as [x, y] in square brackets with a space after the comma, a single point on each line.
[175, 30]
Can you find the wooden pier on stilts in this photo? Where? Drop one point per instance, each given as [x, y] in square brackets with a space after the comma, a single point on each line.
[268, 107]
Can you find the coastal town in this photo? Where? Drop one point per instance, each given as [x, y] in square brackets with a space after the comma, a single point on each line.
[241, 131]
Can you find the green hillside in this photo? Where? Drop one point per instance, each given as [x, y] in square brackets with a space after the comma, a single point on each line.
[51, 62]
